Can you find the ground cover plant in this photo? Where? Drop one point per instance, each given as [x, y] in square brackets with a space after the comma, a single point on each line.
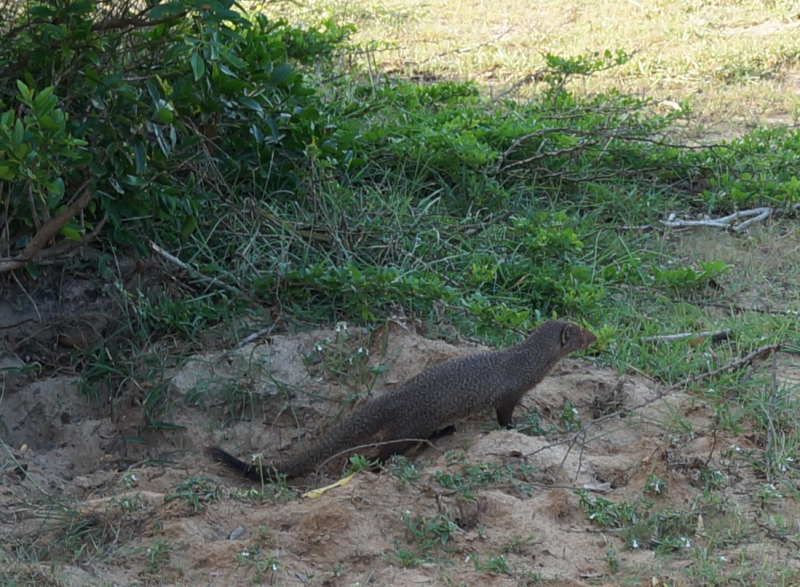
[241, 176]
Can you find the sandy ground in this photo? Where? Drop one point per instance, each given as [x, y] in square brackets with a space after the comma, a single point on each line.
[147, 507]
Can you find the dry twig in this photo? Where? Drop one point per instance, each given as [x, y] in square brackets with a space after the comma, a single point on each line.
[192, 271]
[760, 352]
[716, 336]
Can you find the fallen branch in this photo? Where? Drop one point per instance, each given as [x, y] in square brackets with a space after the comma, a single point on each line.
[531, 77]
[741, 309]
[716, 336]
[724, 222]
[377, 444]
[494, 39]
[761, 352]
[729, 221]
[773, 533]
[247, 340]
[194, 272]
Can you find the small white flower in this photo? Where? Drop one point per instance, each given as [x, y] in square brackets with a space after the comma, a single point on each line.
[686, 543]
[274, 567]
[319, 348]
[635, 543]
[245, 553]
[722, 558]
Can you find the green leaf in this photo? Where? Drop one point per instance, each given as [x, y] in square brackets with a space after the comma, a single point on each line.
[141, 156]
[57, 187]
[228, 15]
[70, 233]
[280, 73]
[6, 173]
[163, 113]
[189, 224]
[55, 31]
[231, 86]
[97, 168]
[45, 102]
[198, 67]
[235, 61]
[19, 132]
[188, 142]
[83, 7]
[166, 10]
[24, 91]
[32, 270]
[41, 11]
[251, 104]
[47, 123]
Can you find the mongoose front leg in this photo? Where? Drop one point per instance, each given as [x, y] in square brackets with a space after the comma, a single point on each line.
[505, 414]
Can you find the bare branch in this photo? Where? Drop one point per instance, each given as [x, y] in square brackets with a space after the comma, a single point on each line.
[729, 221]
[716, 336]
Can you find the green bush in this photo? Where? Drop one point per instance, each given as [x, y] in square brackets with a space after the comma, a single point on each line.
[146, 118]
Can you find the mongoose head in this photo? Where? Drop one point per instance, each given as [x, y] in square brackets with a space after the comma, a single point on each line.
[564, 336]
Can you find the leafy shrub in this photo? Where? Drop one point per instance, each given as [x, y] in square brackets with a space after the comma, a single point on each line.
[144, 118]
[760, 168]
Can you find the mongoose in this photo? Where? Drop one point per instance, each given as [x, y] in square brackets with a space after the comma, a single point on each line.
[435, 399]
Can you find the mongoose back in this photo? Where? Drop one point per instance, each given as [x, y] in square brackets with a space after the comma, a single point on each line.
[434, 399]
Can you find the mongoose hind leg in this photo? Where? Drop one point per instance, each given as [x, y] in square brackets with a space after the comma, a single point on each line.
[505, 414]
[446, 431]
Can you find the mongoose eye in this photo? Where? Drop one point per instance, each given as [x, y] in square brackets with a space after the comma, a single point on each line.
[564, 336]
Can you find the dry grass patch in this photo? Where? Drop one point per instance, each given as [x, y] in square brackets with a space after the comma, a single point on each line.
[731, 60]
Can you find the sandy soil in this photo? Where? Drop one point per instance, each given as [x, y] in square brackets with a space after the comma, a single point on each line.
[147, 507]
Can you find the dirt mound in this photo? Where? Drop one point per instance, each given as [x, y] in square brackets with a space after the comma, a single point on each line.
[482, 506]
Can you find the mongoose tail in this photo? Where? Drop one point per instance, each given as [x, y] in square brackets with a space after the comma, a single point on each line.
[435, 399]
[232, 462]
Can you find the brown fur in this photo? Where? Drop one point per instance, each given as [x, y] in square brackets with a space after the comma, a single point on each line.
[435, 399]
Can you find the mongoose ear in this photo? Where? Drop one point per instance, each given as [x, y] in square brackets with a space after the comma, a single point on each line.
[565, 336]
